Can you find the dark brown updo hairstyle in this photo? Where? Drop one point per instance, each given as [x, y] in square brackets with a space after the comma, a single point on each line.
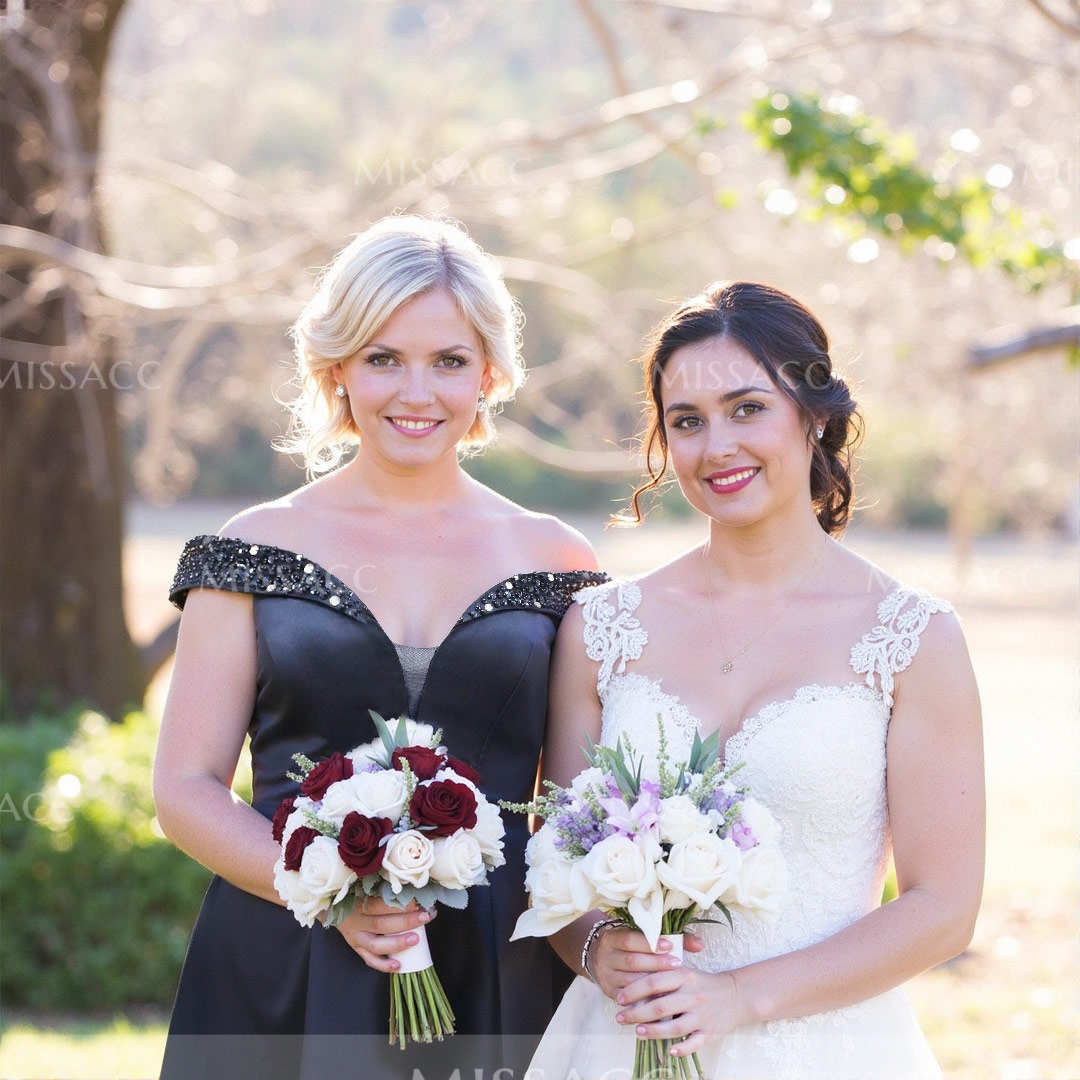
[793, 348]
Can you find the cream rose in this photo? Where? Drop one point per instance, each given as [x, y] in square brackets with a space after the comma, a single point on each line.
[548, 884]
[322, 873]
[698, 870]
[458, 861]
[618, 868]
[680, 819]
[489, 831]
[761, 884]
[408, 859]
[759, 821]
[373, 794]
[304, 904]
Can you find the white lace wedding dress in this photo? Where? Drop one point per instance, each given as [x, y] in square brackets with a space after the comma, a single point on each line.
[817, 761]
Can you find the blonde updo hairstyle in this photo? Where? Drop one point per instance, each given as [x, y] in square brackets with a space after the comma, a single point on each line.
[395, 260]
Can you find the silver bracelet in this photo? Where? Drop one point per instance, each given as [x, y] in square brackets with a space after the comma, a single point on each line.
[595, 931]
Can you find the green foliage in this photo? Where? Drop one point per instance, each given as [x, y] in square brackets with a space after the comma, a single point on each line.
[861, 172]
[97, 905]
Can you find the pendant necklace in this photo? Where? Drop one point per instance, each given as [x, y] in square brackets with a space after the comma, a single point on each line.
[726, 667]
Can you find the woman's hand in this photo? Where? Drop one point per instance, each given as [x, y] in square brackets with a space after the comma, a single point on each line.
[680, 1003]
[621, 955]
[375, 931]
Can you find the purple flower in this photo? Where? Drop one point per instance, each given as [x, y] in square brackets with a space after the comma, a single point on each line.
[743, 836]
[629, 821]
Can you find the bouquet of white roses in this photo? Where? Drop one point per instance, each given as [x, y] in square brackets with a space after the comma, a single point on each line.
[656, 851]
[396, 818]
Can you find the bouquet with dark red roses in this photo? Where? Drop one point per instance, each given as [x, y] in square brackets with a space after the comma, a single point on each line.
[396, 818]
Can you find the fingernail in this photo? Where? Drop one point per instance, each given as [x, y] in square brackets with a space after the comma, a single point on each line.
[412, 939]
[640, 1029]
[620, 999]
[619, 1018]
[675, 961]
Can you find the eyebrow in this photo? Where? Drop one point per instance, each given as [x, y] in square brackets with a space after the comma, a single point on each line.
[435, 352]
[731, 395]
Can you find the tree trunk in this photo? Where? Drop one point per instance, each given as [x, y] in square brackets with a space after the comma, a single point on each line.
[63, 635]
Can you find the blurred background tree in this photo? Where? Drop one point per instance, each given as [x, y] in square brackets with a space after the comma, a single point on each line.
[905, 168]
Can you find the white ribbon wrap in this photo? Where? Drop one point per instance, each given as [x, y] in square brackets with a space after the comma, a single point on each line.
[416, 957]
[676, 944]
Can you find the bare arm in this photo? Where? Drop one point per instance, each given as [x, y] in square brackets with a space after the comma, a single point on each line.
[936, 807]
[202, 731]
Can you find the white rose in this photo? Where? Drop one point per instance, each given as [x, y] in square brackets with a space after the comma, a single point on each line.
[458, 861]
[680, 819]
[698, 870]
[759, 821]
[548, 884]
[761, 884]
[416, 734]
[618, 868]
[323, 874]
[373, 794]
[588, 779]
[303, 903]
[295, 820]
[489, 831]
[407, 860]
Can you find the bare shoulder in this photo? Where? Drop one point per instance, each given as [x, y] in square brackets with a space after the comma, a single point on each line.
[284, 522]
[545, 541]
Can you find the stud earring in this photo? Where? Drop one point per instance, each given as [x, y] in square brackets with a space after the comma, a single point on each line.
[340, 391]
[481, 402]
[820, 432]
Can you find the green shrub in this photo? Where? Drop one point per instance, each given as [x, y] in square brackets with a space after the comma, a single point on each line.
[97, 906]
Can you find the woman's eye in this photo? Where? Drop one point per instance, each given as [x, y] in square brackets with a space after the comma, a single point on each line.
[686, 422]
[380, 359]
[452, 361]
[748, 408]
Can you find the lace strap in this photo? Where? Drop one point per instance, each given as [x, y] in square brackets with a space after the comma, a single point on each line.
[891, 646]
[612, 634]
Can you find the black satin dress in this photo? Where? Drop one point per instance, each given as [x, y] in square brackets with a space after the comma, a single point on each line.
[262, 997]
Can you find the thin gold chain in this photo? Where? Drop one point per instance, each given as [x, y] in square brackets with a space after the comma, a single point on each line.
[729, 663]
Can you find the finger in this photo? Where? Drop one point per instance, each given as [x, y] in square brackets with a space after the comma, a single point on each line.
[378, 950]
[692, 943]
[393, 922]
[646, 987]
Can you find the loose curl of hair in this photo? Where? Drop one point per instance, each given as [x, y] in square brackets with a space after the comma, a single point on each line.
[395, 260]
[793, 348]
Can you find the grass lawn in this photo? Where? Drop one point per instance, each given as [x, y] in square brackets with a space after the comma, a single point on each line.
[79, 1048]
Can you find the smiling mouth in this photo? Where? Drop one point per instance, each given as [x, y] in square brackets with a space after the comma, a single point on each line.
[413, 425]
[735, 479]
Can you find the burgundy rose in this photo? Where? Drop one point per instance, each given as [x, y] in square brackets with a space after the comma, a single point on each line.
[334, 768]
[281, 815]
[442, 807]
[423, 761]
[358, 843]
[464, 770]
[298, 842]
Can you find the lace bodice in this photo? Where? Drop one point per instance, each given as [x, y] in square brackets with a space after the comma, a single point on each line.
[817, 760]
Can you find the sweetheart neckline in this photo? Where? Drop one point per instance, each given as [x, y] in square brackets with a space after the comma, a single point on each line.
[769, 712]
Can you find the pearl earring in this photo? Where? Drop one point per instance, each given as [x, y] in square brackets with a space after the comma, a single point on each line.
[340, 391]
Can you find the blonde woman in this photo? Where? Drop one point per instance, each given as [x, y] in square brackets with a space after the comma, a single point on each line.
[392, 582]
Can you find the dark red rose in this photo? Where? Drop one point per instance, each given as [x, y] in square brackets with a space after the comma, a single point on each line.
[358, 844]
[464, 770]
[442, 807]
[281, 815]
[423, 761]
[334, 768]
[298, 842]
